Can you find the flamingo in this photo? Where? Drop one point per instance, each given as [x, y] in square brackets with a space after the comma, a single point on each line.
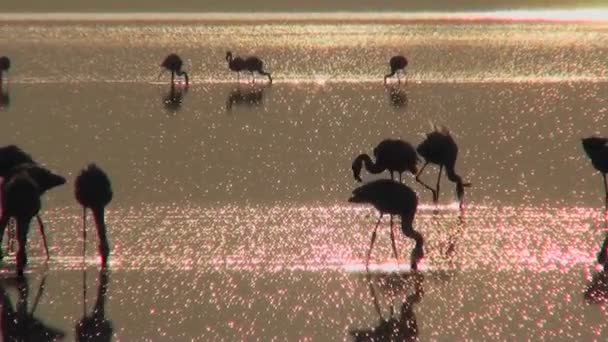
[44, 180]
[174, 64]
[440, 148]
[597, 150]
[5, 64]
[393, 155]
[397, 63]
[390, 197]
[251, 64]
[93, 190]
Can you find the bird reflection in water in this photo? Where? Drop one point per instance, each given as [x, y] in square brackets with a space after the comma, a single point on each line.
[19, 324]
[5, 100]
[95, 326]
[247, 96]
[399, 326]
[397, 96]
[597, 290]
[174, 98]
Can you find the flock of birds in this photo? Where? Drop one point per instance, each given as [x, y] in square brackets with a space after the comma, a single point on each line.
[25, 181]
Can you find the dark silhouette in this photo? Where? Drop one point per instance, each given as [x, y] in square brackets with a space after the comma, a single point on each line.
[397, 96]
[95, 327]
[390, 197]
[393, 155]
[93, 190]
[440, 148]
[397, 63]
[402, 327]
[174, 64]
[250, 96]
[174, 98]
[597, 150]
[5, 64]
[19, 324]
[42, 177]
[5, 100]
[252, 64]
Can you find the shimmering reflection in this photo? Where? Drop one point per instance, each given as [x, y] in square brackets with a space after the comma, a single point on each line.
[397, 95]
[5, 100]
[94, 326]
[173, 99]
[248, 96]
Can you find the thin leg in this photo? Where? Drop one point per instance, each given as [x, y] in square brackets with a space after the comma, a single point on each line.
[22, 230]
[400, 174]
[371, 245]
[172, 76]
[423, 183]
[605, 189]
[84, 233]
[436, 199]
[3, 223]
[393, 242]
[41, 227]
[392, 175]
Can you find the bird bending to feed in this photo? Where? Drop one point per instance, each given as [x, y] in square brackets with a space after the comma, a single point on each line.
[174, 64]
[93, 191]
[390, 197]
[252, 64]
[397, 63]
[5, 64]
[393, 155]
[597, 150]
[14, 160]
[440, 148]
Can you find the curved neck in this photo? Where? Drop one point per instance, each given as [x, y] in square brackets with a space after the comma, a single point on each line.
[229, 58]
[452, 176]
[407, 220]
[370, 166]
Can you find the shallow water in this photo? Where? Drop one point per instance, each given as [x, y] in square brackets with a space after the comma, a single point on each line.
[230, 218]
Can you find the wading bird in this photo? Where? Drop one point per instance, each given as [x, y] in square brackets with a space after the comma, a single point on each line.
[390, 197]
[597, 150]
[397, 63]
[393, 155]
[5, 64]
[252, 64]
[174, 64]
[93, 191]
[440, 148]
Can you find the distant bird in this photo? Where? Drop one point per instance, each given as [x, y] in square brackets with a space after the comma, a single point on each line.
[390, 197]
[393, 155]
[174, 64]
[93, 190]
[252, 64]
[440, 148]
[597, 150]
[5, 64]
[43, 179]
[397, 63]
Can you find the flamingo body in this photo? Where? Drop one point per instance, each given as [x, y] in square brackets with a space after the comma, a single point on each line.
[393, 155]
[174, 64]
[396, 63]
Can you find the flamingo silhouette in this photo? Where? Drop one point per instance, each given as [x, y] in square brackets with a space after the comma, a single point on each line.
[597, 150]
[440, 148]
[252, 64]
[5, 64]
[393, 155]
[174, 64]
[93, 190]
[390, 197]
[397, 63]
[14, 160]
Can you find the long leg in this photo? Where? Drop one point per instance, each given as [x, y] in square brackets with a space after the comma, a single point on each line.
[423, 183]
[605, 189]
[371, 245]
[436, 199]
[393, 242]
[22, 230]
[84, 233]
[41, 227]
[172, 76]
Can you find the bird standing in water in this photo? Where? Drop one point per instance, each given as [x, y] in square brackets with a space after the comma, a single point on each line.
[94, 191]
[5, 64]
[393, 155]
[390, 197]
[174, 64]
[440, 148]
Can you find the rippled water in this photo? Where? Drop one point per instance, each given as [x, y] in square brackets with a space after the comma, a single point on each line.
[230, 218]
